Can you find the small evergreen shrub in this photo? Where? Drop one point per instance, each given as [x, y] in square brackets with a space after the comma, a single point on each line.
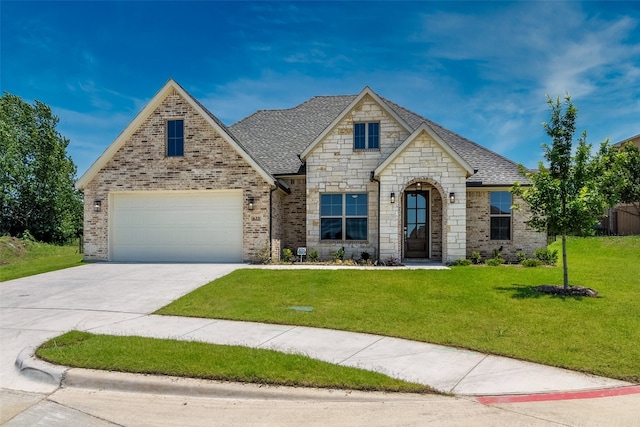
[338, 255]
[312, 256]
[475, 257]
[264, 256]
[531, 262]
[287, 255]
[462, 262]
[546, 256]
[365, 256]
[521, 257]
[494, 262]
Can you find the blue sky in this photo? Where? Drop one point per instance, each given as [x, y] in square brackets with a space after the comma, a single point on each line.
[481, 69]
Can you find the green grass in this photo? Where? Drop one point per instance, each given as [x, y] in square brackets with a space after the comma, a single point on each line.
[19, 258]
[490, 309]
[209, 361]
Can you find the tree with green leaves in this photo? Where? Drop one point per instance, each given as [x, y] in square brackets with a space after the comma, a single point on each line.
[627, 167]
[36, 174]
[566, 197]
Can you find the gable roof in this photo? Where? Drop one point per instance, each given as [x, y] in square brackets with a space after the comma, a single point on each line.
[280, 138]
[364, 93]
[425, 128]
[165, 91]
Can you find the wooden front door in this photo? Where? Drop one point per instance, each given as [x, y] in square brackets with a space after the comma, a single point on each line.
[416, 224]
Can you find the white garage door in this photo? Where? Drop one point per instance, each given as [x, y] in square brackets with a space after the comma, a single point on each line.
[193, 226]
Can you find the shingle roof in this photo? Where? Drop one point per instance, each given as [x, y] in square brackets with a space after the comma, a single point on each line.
[275, 138]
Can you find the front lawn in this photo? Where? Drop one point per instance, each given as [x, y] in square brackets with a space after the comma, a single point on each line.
[490, 309]
[21, 258]
[210, 361]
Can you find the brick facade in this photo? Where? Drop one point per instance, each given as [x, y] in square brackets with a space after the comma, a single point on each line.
[523, 238]
[291, 219]
[209, 163]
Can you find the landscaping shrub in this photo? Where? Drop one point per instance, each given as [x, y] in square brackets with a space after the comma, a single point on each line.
[264, 256]
[521, 257]
[531, 262]
[476, 258]
[287, 255]
[338, 255]
[312, 256]
[462, 262]
[546, 256]
[494, 262]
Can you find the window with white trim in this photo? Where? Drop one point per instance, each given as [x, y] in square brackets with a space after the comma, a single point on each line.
[500, 214]
[343, 216]
[366, 136]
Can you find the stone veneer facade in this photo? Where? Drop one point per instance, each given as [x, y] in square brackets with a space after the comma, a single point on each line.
[209, 163]
[333, 166]
[523, 237]
[425, 161]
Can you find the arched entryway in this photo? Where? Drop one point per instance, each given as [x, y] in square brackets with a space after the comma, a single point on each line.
[422, 222]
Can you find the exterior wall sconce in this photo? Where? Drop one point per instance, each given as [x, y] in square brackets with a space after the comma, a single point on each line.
[97, 205]
[392, 199]
[452, 197]
[250, 202]
[418, 186]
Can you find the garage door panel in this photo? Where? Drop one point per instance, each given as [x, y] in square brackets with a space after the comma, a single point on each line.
[179, 227]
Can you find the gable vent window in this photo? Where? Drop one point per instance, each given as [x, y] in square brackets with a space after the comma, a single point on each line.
[175, 138]
[500, 215]
[366, 136]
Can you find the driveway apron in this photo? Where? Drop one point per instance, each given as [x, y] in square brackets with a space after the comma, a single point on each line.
[36, 308]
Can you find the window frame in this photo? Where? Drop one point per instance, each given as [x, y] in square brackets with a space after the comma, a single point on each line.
[174, 143]
[369, 136]
[344, 216]
[496, 233]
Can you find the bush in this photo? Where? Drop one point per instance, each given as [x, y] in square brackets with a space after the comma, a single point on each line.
[264, 256]
[338, 255]
[546, 256]
[494, 262]
[365, 256]
[476, 258]
[287, 255]
[462, 262]
[312, 256]
[497, 258]
[531, 262]
[521, 257]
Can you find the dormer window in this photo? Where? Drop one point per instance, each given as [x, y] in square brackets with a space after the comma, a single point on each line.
[175, 138]
[366, 136]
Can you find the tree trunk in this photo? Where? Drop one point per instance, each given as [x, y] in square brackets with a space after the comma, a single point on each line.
[565, 269]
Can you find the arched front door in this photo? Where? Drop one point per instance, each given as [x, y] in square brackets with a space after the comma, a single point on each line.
[416, 224]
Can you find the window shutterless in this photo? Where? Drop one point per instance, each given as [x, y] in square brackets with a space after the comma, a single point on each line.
[500, 215]
[175, 138]
[366, 136]
[343, 216]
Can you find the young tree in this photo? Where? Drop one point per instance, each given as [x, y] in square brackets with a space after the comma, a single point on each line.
[36, 174]
[566, 197]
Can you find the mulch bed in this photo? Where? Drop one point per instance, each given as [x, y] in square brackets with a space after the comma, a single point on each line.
[571, 291]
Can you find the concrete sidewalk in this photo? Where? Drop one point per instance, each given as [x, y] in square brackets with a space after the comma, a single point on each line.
[449, 370]
[118, 299]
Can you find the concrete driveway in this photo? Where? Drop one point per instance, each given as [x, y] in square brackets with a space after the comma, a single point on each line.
[37, 308]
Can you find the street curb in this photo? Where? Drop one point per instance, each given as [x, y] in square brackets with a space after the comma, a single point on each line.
[32, 367]
[29, 365]
[193, 387]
